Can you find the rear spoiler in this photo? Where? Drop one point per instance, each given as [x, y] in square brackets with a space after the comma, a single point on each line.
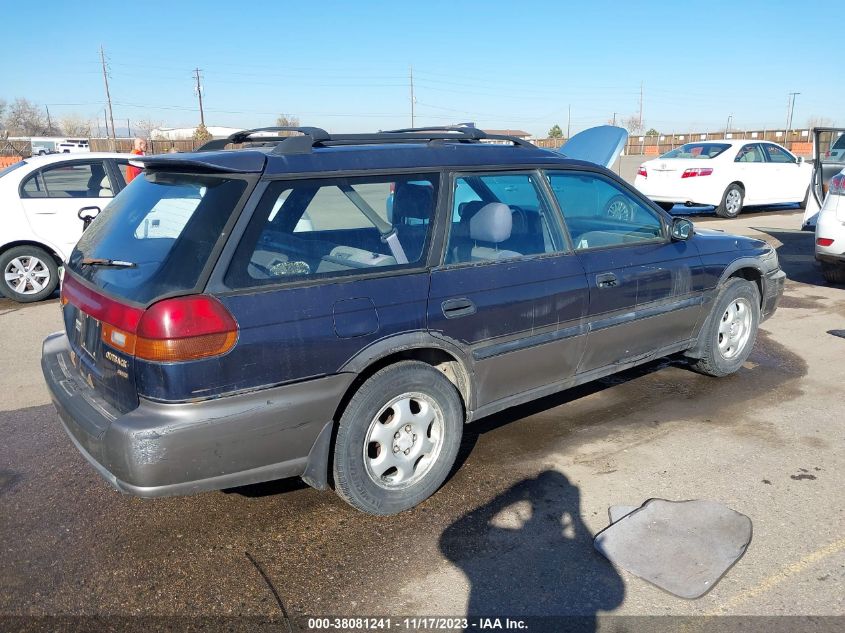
[243, 162]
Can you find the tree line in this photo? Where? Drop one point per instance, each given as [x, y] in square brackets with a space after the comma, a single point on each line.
[22, 117]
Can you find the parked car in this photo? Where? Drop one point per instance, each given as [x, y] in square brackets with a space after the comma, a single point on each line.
[41, 198]
[72, 146]
[211, 343]
[830, 231]
[41, 150]
[828, 161]
[729, 175]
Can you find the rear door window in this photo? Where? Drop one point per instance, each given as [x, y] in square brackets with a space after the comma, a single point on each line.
[70, 180]
[338, 226]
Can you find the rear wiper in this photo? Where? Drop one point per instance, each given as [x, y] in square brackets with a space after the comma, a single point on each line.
[98, 261]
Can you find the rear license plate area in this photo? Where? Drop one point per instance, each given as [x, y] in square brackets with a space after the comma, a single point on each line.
[89, 333]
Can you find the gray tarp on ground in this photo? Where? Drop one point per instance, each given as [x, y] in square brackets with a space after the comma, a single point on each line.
[683, 547]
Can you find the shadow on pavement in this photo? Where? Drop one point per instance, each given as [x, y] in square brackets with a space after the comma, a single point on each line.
[796, 254]
[527, 553]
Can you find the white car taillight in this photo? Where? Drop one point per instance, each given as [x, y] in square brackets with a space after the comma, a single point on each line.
[836, 187]
[642, 172]
[692, 172]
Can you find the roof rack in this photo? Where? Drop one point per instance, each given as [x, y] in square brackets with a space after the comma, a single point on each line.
[310, 137]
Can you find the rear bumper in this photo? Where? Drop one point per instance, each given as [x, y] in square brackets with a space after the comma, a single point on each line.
[161, 449]
[773, 283]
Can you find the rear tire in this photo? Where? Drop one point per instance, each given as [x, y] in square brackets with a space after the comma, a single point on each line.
[730, 331]
[834, 273]
[397, 439]
[731, 204]
[29, 274]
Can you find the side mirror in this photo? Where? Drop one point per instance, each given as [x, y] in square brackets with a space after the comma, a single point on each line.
[682, 229]
[87, 215]
[800, 159]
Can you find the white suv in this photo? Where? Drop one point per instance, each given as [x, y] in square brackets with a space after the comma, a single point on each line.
[41, 198]
[830, 231]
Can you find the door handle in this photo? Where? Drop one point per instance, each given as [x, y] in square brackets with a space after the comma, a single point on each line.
[606, 280]
[454, 308]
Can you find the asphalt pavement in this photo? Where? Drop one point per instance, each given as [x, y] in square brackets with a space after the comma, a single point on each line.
[509, 533]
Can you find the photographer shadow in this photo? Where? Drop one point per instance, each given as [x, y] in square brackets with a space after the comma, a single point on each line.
[528, 554]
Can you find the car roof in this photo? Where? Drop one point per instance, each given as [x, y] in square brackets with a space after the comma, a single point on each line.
[38, 161]
[732, 142]
[427, 156]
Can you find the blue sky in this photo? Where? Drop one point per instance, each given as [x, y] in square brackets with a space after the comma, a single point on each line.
[344, 65]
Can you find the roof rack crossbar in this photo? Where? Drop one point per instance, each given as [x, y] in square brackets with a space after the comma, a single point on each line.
[309, 137]
[316, 134]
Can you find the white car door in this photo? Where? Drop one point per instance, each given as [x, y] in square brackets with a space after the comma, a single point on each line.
[790, 178]
[52, 197]
[752, 171]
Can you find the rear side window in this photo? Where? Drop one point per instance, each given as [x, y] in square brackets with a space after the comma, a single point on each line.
[600, 214]
[339, 226]
[165, 226]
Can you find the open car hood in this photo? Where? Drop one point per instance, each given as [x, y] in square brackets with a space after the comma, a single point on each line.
[600, 145]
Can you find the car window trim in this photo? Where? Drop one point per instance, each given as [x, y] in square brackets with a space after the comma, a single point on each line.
[659, 213]
[217, 285]
[454, 175]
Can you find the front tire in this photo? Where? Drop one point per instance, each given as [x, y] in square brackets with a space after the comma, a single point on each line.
[29, 274]
[730, 331]
[731, 204]
[397, 439]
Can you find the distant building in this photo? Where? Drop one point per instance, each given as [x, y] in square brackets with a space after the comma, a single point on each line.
[187, 133]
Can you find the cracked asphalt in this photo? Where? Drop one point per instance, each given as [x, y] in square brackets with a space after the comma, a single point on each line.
[509, 533]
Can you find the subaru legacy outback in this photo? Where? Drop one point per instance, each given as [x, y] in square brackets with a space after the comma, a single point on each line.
[337, 307]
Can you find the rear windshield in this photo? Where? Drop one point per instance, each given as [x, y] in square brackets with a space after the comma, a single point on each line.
[697, 150]
[165, 225]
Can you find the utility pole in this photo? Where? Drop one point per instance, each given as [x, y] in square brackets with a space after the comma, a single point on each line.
[641, 105]
[792, 96]
[128, 129]
[106, 121]
[199, 96]
[108, 96]
[568, 120]
[49, 121]
[411, 77]
[614, 119]
[728, 125]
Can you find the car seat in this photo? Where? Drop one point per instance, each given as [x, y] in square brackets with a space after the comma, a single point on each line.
[411, 216]
[488, 228]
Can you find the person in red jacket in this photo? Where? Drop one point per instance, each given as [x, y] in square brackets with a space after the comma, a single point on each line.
[140, 149]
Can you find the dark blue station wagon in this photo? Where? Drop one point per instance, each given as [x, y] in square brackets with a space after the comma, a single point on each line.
[338, 307]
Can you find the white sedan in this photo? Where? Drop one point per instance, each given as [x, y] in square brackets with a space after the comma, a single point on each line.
[41, 198]
[728, 175]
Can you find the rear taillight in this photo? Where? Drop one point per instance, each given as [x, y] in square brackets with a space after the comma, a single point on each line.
[185, 328]
[642, 172]
[692, 172]
[824, 241]
[836, 186]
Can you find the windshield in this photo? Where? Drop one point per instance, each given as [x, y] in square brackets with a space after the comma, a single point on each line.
[164, 226]
[11, 167]
[697, 150]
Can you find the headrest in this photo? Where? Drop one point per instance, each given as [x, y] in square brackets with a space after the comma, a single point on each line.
[105, 183]
[468, 209]
[411, 201]
[492, 223]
